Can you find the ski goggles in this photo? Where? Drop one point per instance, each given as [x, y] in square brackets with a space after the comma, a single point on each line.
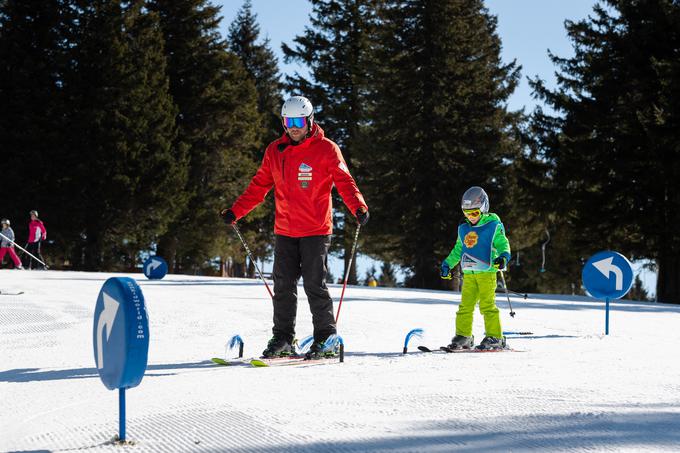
[298, 122]
[472, 212]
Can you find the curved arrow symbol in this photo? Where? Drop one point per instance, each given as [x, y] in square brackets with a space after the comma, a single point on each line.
[106, 319]
[153, 265]
[605, 266]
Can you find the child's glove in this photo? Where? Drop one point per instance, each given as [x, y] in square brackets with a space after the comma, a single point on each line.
[228, 216]
[446, 271]
[500, 262]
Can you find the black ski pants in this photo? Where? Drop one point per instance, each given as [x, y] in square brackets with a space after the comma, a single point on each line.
[305, 257]
[34, 249]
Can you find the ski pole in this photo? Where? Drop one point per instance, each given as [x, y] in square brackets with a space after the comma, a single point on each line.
[349, 266]
[512, 313]
[250, 255]
[20, 247]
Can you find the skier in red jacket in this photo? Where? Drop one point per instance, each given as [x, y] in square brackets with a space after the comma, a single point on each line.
[302, 166]
[36, 235]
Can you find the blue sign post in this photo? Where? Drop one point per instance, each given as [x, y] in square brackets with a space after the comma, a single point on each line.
[121, 338]
[607, 275]
[155, 268]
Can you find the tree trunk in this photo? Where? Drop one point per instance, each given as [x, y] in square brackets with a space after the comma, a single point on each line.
[239, 269]
[167, 249]
[251, 269]
[668, 281]
[92, 255]
[457, 286]
[349, 242]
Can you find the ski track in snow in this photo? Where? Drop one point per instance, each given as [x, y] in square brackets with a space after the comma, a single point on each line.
[571, 389]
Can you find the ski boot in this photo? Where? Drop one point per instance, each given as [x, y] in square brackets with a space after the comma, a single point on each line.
[461, 342]
[278, 347]
[492, 343]
[320, 350]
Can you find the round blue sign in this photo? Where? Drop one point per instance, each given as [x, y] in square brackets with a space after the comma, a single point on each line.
[155, 268]
[120, 333]
[608, 275]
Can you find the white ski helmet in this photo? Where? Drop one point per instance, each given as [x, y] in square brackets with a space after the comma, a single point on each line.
[298, 107]
[475, 197]
[4, 222]
[33, 212]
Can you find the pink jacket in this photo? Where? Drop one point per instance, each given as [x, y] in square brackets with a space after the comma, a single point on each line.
[36, 231]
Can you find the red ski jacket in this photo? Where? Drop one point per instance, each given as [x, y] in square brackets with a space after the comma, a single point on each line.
[302, 176]
[36, 231]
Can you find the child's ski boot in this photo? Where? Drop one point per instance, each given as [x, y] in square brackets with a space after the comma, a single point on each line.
[492, 343]
[461, 342]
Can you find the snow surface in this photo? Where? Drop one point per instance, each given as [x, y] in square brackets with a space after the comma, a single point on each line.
[572, 389]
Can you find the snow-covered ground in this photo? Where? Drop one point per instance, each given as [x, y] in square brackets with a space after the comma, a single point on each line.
[571, 389]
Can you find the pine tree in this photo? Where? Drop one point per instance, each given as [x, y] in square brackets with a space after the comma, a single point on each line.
[337, 50]
[370, 275]
[217, 110]
[637, 291]
[614, 141]
[388, 277]
[440, 125]
[261, 65]
[122, 126]
[33, 121]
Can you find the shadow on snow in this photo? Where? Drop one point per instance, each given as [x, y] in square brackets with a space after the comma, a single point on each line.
[575, 431]
[34, 374]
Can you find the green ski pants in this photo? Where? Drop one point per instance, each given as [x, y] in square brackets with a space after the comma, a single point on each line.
[480, 287]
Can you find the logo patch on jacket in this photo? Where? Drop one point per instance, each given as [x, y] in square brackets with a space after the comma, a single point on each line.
[343, 167]
[304, 175]
[470, 239]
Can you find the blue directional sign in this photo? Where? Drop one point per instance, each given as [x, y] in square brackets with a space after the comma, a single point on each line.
[120, 333]
[155, 268]
[608, 275]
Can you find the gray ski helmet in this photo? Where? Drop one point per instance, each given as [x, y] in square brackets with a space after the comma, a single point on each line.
[297, 107]
[475, 197]
[34, 212]
[4, 222]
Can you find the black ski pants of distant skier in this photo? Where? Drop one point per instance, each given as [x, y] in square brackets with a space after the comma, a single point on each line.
[34, 249]
[305, 257]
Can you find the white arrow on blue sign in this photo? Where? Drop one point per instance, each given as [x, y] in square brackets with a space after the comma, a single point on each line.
[607, 275]
[155, 268]
[120, 333]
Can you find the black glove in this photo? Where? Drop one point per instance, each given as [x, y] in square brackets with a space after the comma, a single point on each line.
[228, 216]
[362, 216]
[500, 262]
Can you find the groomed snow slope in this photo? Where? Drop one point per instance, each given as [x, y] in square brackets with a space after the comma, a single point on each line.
[571, 389]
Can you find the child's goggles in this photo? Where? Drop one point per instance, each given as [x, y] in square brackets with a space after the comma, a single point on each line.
[298, 122]
[472, 212]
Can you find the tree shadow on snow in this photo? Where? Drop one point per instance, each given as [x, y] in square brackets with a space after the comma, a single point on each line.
[575, 431]
[143, 281]
[538, 303]
[30, 451]
[34, 374]
[230, 282]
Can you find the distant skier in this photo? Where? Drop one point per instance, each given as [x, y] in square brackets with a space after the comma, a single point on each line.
[7, 246]
[36, 234]
[302, 166]
[482, 249]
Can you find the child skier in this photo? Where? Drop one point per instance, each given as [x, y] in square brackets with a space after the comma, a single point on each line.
[482, 249]
[6, 245]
